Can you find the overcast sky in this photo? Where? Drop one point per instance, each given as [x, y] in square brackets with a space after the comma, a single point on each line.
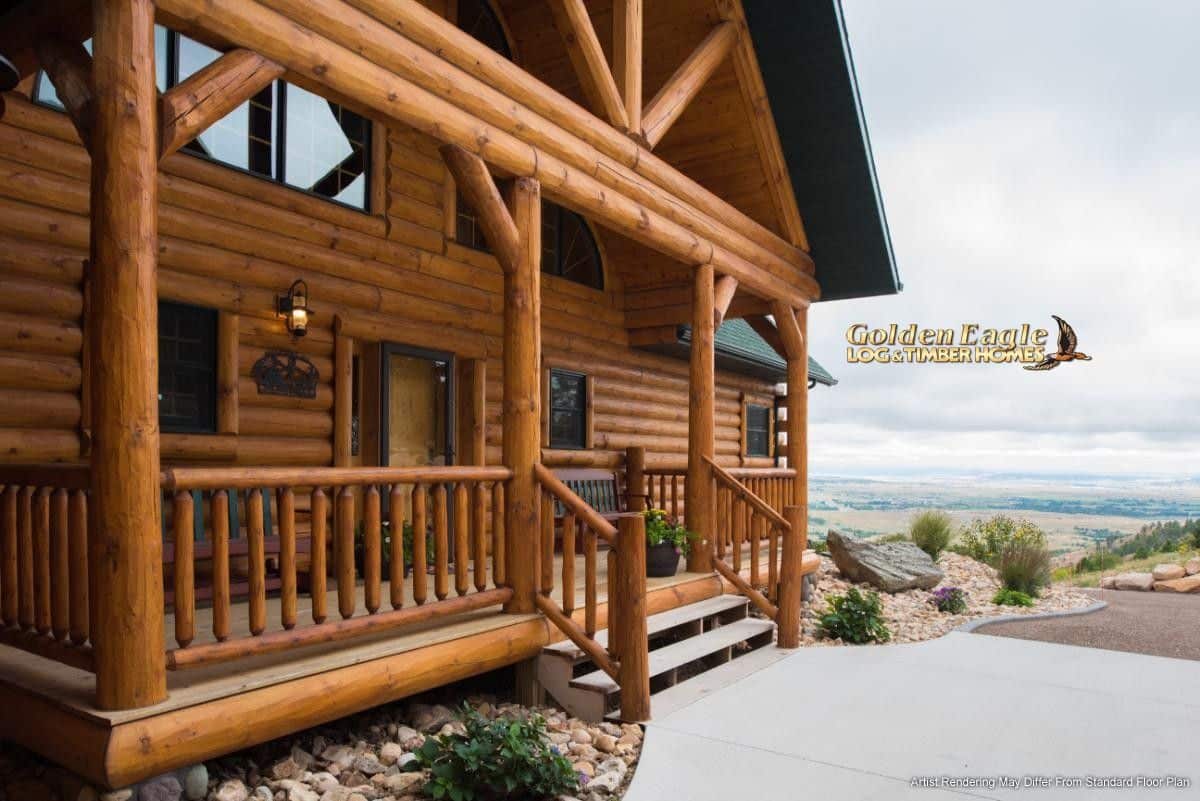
[1035, 158]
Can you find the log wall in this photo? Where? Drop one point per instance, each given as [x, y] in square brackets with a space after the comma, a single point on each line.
[232, 242]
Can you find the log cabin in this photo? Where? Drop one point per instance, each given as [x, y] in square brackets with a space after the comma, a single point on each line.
[323, 321]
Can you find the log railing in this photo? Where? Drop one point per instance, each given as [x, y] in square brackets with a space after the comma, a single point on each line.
[44, 562]
[775, 485]
[749, 529]
[344, 514]
[626, 658]
[664, 489]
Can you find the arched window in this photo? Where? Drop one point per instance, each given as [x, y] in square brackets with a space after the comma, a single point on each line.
[478, 18]
[568, 247]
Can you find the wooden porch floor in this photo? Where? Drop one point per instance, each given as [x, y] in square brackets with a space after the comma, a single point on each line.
[73, 689]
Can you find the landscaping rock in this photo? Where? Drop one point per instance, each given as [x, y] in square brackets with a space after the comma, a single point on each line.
[1192, 567]
[163, 788]
[195, 783]
[1187, 584]
[1108, 583]
[1168, 572]
[232, 790]
[1143, 582]
[429, 719]
[891, 566]
[390, 753]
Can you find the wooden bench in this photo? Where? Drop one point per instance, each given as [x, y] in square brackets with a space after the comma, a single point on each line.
[600, 488]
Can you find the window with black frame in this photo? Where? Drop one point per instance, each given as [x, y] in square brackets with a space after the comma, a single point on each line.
[758, 430]
[568, 410]
[187, 368]
[568, 248]
[284, 133]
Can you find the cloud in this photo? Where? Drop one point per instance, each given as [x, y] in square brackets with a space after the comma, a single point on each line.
[1034, 159]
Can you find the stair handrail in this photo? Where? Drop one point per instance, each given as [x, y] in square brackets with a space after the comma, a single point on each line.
[724, 477]
[576, 505]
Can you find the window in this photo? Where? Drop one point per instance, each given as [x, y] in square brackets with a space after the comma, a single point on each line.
[568, 248]
[478, 18]
[758, 430]
[284, 133]
[467, 230]
[187, 368]
[568, 410]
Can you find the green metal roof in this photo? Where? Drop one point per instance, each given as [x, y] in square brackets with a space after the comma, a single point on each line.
[740, 349]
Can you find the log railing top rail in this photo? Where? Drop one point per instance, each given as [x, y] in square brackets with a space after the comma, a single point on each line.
[735, 472]
[214, 478]
[577, 506]
[762, 507]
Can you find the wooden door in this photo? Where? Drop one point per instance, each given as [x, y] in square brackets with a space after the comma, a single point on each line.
[416, 411]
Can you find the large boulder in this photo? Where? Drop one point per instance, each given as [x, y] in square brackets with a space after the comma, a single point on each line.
[1135, 581]
[1188, 584]
[890, 566]
[1108, 583]
[1192, 567]
[1168, 572]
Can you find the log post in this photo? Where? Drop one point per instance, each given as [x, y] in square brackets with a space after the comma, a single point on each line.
[701, 391]
[522, 395]
[791, 578]
[125, 564]
[793, 328]
[629, 599]
[635, 478]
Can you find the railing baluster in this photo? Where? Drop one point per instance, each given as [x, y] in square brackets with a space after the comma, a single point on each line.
[343, 550]
[258, 561]
[675, 496]
[568, 565]
[41, 560]
[721, 521]
[662, 491]
[441, 543]
[773, 562]
[25, 557]
[547, 551]
[220, 566]
[589, 581]
[462, 538]
[285, 504]
[396, 552]
[755, 543]
[182, 510]
[372, 549]
[77, 545]
[479, 497]
[499, 571]
[420, 559]
[319, 512]
[60, 603]
[8, 555]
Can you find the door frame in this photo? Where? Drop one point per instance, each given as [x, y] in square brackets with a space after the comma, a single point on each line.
[386, 351]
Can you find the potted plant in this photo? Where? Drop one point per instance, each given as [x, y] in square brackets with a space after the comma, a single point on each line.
[386, 548]
[666, 541]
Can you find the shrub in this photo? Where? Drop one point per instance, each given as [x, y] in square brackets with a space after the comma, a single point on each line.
[1005, 597]
[819, 546]
[1142, 553]
[984, 541]
[1101, 560]
[505, 758]
[899, 537]
[1024, 566]
[855, 618]
[951, 600]
[930, 531]
[661, 527]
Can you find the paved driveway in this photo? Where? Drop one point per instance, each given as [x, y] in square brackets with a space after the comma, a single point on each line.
[863, 723]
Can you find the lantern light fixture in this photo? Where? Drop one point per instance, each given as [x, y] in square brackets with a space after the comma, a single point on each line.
[293, 308]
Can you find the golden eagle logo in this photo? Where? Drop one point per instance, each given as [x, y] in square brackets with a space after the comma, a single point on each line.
[1066, 348]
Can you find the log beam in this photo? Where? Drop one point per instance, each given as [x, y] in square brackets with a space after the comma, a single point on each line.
[522, 396]
[473, 179]
[187, 110]
[628, 22]
[599, 87]
[682, 87]
[69, 68]
[789, 329]
[26, 24]
[723, 292]
[701, 443]
[125, 547]
[766, 329]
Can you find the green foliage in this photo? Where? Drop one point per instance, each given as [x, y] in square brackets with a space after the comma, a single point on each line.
[930, 531]
[893, 538]
[1142, 553]
[1006, 597]
[1024, 565]
[505, 758]
[855, 618]
[1161, 537]
[951, 600]
[984, 541]
[1101, 560]
[661, 527]
[818, 545]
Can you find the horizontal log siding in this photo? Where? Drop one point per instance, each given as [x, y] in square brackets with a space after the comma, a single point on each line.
[232, 242]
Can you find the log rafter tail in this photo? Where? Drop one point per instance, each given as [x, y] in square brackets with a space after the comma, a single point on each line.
[69, 67]
[587, 56]
[682, 87]
[723, 292]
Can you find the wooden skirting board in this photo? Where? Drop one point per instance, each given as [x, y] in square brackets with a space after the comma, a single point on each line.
[118, 749]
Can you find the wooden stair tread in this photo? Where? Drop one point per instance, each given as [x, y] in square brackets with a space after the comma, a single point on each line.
[682, 652]
[694, 689]
[656, 624]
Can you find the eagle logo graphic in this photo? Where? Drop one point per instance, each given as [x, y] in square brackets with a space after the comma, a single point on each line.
[1066, 348]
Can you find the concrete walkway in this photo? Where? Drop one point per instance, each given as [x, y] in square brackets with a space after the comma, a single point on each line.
[864, 723]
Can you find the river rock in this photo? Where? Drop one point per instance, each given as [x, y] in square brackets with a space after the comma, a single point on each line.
[163, 788]
[1168, 572]
[195, 782]
[1187, 584]
[1135, 581]
[232, 790]
[890, 566]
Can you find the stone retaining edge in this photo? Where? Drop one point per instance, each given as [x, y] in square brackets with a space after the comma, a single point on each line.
[986, 621]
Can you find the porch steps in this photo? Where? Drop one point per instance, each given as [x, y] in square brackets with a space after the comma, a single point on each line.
[687, 644]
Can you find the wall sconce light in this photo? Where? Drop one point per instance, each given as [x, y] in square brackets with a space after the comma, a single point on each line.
[293, 308]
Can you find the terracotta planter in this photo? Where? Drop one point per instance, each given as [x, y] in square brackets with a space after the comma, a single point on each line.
[661, 560]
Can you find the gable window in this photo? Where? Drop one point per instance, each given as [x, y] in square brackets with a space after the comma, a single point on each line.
[568, 247]
[478, 18]
[187, 368]
[568, 410]
[284, 133]
[758, 430]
